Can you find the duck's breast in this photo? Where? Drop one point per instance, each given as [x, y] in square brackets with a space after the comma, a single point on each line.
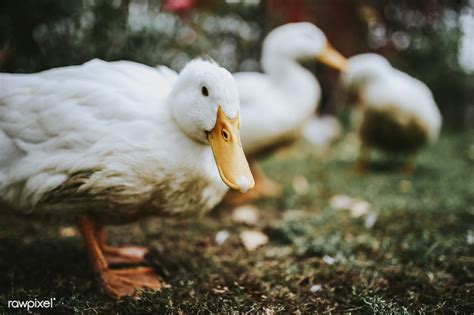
[101, 142]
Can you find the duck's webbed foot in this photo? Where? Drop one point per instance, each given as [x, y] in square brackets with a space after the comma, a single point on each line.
[118, 283]
[409, 166]
[362, 164]
[267, 187]
[264, 187]
[131, 255]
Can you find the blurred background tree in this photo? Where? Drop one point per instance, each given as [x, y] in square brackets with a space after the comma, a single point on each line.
[431, 40]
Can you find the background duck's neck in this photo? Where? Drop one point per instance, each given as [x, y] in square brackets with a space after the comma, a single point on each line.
[294, 80]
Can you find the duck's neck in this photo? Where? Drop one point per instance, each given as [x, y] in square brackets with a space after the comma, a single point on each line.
[298, 83]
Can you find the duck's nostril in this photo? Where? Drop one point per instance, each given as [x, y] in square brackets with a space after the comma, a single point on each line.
[225, 135]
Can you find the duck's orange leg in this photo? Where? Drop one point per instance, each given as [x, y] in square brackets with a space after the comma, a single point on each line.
[362, 165]
[118, 283]
[264, 187]
[409, 166]
[120, 255]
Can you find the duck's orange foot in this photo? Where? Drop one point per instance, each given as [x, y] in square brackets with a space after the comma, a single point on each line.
[125, 255]
[408, 168]
[362, 167]
[235, 198]
[120, 283]
[261, 190]
[269, 188]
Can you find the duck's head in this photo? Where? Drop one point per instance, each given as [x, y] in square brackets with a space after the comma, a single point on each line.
[299, 41]
[364, 68]
[205, 104]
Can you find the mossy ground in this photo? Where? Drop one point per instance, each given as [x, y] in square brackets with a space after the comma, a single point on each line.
[418, 257]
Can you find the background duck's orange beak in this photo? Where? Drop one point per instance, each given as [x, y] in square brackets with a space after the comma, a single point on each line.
[332, 58]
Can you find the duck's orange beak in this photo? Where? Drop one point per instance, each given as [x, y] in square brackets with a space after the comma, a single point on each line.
[332, 58]
[225, 143]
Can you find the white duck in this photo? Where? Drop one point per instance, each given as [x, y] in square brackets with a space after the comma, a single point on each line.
[276, 104]
[397, 112]
[109, 142]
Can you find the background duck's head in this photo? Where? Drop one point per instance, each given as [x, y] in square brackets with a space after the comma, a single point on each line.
[299, 41]
[365, 68]
[205, 104]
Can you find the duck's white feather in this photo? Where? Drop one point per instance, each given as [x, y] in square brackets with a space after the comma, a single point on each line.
[107, 121]
[274, 111]
[276, 104]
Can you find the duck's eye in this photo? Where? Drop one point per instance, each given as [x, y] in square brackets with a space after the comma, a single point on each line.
[225, 135]
[204, 91]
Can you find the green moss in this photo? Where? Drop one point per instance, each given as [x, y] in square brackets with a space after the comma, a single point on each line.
[418, 257]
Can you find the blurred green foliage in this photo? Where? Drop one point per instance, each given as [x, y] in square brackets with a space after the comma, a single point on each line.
[39, 35]
[422, 38]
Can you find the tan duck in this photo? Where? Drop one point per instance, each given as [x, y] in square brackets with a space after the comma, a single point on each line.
[396, 112]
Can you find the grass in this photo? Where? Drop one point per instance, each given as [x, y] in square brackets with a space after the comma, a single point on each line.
[417, 257]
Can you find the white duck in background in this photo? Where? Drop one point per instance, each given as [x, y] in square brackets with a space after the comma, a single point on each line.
[109, 142]
[276, 104]
[397, 112]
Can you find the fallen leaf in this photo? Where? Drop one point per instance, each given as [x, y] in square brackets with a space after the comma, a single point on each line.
[470, 237]
[221, 237]
[68, 231]
[253, 239]
[220, 290]
[340, 202]
[246, 214]
[315, 288]
[300, 185]
[370, 220]
[359, 208]
[329, 260]
[269, 311]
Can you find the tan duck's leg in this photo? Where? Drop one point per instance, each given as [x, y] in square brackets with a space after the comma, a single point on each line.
[118, 283]
[409, 166]
[362, 165]
[264, 187]
[132, 255]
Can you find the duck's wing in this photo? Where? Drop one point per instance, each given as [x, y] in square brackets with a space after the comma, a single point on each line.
[71, 119]
[252, 88]
[262, 116]
[34, 106]
[268, 117]
[401, 91]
